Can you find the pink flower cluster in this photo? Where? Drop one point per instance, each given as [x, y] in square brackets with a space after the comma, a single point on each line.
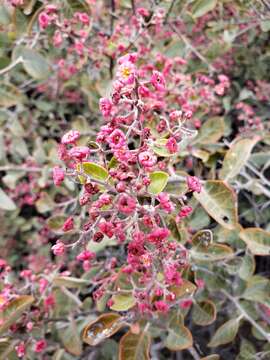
[121, 204]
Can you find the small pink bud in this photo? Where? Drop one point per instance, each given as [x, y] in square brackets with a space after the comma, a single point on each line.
[68, 224]
[70, 137]
[59, 248]
[58, 175]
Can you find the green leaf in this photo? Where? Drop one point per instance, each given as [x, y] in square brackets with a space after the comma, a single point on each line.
[247, 267]
[265, 25]
[202, 237]
[225, 334]
[110, 350]
[6, 347]
[204, 313]
[5, 17]
[213, 252]
[122, 302]
[35, 64]
[202, 7]
[9, 95]
[56, 222]
[99, 246]
[236, 158]
[158, 181]
[95, 171]
[13, 311]
[134, 346]
[103, 327]
[258, 289]
[6, 203]
[247, 351]
[219, 200]
[71, 339]
[179, 338]
[69, 282]
[257, 240]
[211, 131]
[187, 288]
[44, 203]
[159, 148]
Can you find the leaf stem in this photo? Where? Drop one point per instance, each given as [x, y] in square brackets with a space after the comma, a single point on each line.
[11, 65]
[246, 316]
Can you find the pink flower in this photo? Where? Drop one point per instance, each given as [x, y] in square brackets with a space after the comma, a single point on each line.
[184, 212]
[82, 17]
[62, 152]
[159, 292]
[117, 139]
[43, 20]
[158, 81]
[175, 115]
[132, 58]
[144, 91]
[40, 346]
[110, 302]
[126, 204]
[86, 255]
[126, 72]
[185, 304]
[57, 39]
[188, 114]
[29, 326]
[161, 306]
[68, 224]
[105, 106]
[49, 302]
[172, 276]
[20, 350]
[143, 12]
[200, 283]
[107, 228]
[26, 274]
[224, 80]
[194, 184]
[79, 47]
[86, 265]
[171, 145]
[79, 152]
[17, 2]
[70, 137]
[144, 308]
[3, 264]
[158, 235]
[43, 283]
[58, 175]
[165, 202]
[59, 248]
[51, 9]
[220, 89]
[147, 159]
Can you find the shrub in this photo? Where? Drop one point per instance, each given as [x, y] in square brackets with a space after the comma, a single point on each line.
[134, 180]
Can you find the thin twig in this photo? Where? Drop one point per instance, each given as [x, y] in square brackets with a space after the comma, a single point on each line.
[169, 11]
[11, 65]
[192, 48]
[246, 316]
[194, 353]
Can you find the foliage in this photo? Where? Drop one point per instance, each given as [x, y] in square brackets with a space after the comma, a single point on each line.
[134, 191]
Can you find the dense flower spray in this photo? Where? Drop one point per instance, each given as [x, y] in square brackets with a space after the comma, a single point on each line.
[130, 203]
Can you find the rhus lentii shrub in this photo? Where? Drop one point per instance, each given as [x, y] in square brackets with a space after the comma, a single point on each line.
[134, 190]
